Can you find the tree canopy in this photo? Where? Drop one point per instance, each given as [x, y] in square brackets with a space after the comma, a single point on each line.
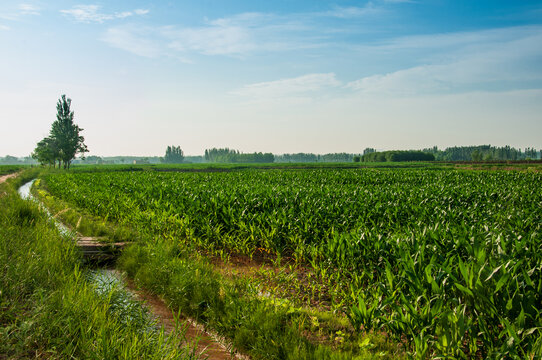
[227, 155]
[64, 141]
[397, 155]
[174, 155]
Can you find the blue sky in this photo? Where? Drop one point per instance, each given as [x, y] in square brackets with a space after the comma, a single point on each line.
[273, 76]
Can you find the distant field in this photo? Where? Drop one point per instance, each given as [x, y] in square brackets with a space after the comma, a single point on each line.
[220, 167]
[449, 259]
[210, 167]
[8, 169]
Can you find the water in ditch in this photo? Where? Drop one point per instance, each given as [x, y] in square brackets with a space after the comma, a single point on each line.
[26, 194]
[135, 307]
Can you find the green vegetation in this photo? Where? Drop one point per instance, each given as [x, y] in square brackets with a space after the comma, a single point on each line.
[483, 153]
[9, 169]
[64, 141]
[226, 155]
[50, 307]
[395, 156]
[12, 160]
[445, 261]
[264, 327]
[309, 157]
[174, 155]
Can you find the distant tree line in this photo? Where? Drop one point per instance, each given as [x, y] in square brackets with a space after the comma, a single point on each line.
[483, 153]
[174, 155]
[226, 155]
[13, 160]
[394, 156]
[64, 140]
[309, 157]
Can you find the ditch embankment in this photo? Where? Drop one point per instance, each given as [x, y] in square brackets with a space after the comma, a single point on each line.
[224, 295]
[106, 280]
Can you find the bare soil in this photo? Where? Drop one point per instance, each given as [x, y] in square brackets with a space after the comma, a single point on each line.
[208, 345]
[8, 176]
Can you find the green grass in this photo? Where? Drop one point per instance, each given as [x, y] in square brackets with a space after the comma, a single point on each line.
[265, 328]
[51, 308]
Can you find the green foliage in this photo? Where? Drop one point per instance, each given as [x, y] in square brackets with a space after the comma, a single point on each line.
[397, 155]
[234, 156]
[9, 169]
[483, 153]
[309, 157]
[64, 141]
[49, 308]
[174, 155]
[47, 151]
[449, 260]
[256, 325]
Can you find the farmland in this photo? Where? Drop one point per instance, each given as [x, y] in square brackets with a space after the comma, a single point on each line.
[442, 262]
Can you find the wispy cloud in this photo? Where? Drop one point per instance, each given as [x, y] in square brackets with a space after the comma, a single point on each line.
[137, 40]
[497, 60]
[29, 9]
[93, 14]
[243, 34]
[352, 11]
[486, 60]
[15, 13]
[235, 36]
[4, 27]
[298, 86]
[220, 39]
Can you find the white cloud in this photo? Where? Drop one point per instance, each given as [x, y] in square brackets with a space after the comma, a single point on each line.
[141, 11]
[136, 40]
[29, 9]
[213, 40]
[298, 86]
[92, 14]
[352, 11]
[235, 36]
[245, 33]
[488, 60]
[15, 13]
[4, 27]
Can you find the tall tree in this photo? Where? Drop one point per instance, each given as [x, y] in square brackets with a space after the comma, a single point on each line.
[66, 133]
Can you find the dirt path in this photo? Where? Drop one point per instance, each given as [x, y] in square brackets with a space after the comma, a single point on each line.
[209, 346]
[8, 176]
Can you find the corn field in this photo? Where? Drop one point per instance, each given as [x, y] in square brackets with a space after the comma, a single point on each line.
[448, 261]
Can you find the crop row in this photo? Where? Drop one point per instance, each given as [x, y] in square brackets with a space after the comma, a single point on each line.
[449, 259]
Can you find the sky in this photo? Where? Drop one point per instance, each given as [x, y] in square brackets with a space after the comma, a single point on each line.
[282, 76]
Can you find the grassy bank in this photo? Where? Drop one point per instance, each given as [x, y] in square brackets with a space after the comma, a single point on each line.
[50, 307]
[261, 326]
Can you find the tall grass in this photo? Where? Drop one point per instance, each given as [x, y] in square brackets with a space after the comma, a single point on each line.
[48, 306]
[261, 327]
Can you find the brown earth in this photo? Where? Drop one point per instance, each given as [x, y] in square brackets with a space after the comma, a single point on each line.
[208, 345]
[8, 176]
[4, 178]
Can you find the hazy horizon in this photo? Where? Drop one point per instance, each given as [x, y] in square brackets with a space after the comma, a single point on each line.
[279, 77]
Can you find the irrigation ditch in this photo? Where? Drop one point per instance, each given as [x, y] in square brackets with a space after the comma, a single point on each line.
[99, 260]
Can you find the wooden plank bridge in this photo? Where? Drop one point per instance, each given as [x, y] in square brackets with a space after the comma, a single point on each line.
[94, 249]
